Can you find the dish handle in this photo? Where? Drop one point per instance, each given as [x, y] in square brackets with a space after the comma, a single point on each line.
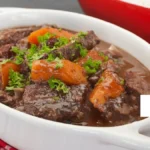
[134, 136]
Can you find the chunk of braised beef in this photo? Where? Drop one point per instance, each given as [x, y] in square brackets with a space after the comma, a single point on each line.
[15, 34]
[90, 40]
[5, 51]
[114, 52]
[40, 100]
[110, 65]
[23, 44]
[94, 78]
[7, 99]
[51, 42]
[136, 83]
[24, 68]
[125, 108]
[70, 51]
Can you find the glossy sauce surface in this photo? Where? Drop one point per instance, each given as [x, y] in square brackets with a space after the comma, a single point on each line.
[126, 63]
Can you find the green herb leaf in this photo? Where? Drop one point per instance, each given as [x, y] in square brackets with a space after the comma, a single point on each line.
[50, 57]
[73, 39]
[19, 58]
[5, 61]
[122, 81]
[31, 51]
[58, 85]
[16, 80]
[78, 36]
[83, 51]
[61, 42]
[59, 63]
[90, 70]
[44, 48]
[33, 54]
[91, 66]
[82, 34]
[44, 38]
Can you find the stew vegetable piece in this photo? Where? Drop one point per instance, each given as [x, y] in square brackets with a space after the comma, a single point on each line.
[33, 37]
[70, 77]
[64, 70]
[5, 71]
[108, 86]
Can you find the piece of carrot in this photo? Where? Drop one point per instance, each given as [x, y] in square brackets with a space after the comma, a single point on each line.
[33, 37]
[5, 68]
[42, 70]
[70, 73]
[91, 54]
[108, 87]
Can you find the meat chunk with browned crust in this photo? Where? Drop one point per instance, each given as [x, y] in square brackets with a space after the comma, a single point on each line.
[5, 51]
[136, 84]
[71, 52]
[15, 34]
[41, 101]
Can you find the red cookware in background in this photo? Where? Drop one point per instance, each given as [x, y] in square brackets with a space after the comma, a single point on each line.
[129, 16]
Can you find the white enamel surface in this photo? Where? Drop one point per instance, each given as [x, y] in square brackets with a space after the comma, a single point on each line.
[143, 3]
[26, 132]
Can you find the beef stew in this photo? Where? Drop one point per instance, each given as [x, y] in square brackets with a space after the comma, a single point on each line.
[70, 77]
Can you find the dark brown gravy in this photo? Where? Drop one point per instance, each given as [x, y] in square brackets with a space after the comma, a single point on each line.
[127, 63]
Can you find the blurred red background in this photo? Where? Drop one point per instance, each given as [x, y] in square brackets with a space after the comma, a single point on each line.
[131, 17]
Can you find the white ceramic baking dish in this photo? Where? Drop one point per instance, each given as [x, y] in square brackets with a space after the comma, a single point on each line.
[26, 132]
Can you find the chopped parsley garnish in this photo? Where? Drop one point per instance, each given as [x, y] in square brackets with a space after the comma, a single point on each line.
[16, 80]
[5, 61]
[31, 51]
[58, 85]
[44, 48]
[50, 57]
[78, 36]
[82, 34]
[19, 55]
[122, 81]
[44, 38]
[83, 51]
[104, 56]
[33, 54]
[61, 42]
[91, 66]
[59, 63]
[73, 39]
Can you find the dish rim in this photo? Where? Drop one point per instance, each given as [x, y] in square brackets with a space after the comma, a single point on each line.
[38, 10]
